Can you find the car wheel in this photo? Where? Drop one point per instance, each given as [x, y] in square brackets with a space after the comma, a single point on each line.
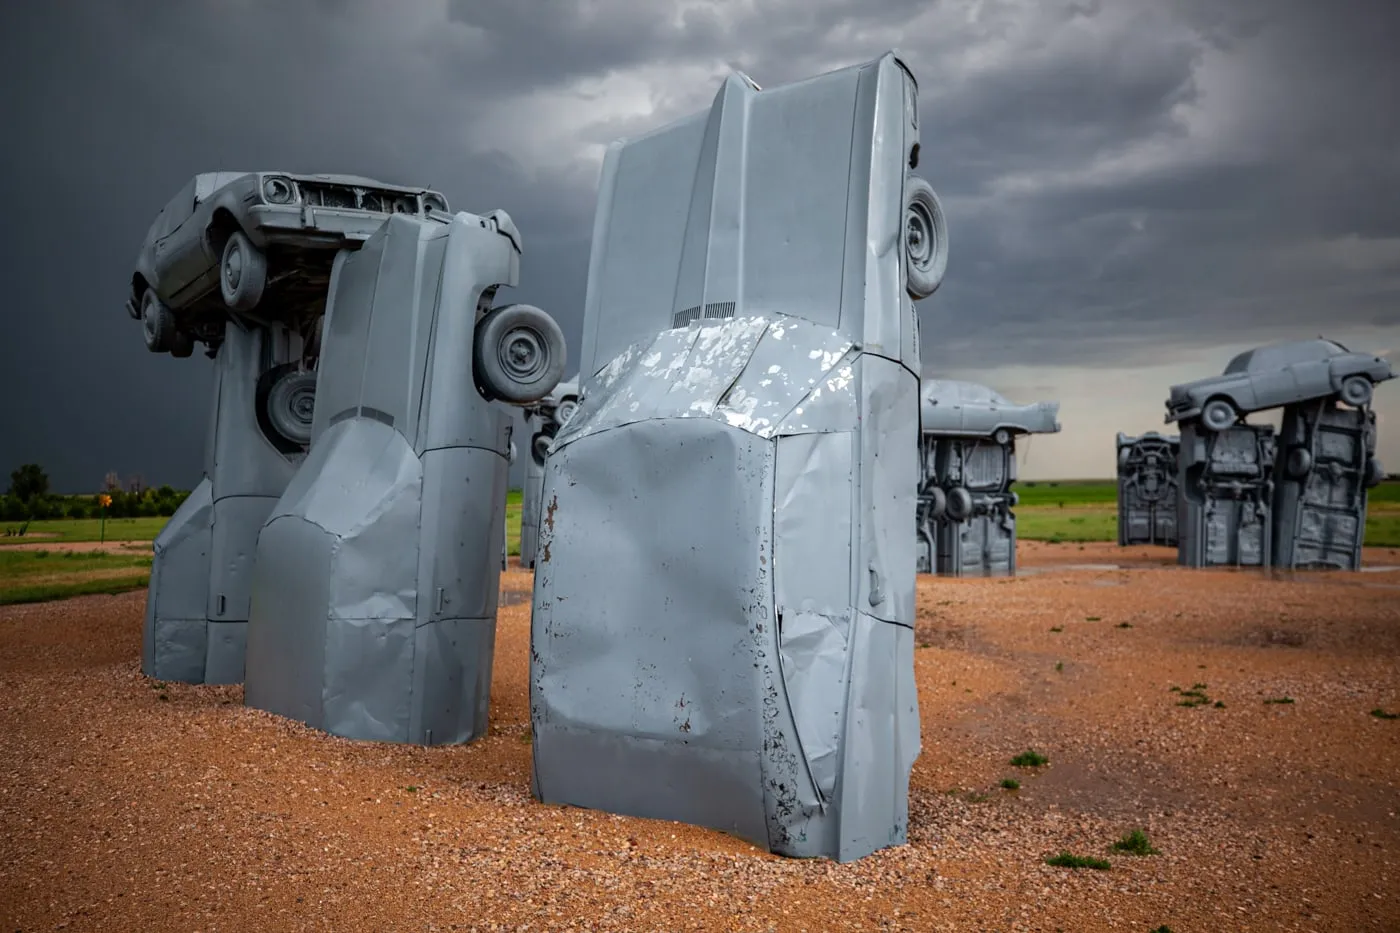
[182, 345]
[1002, 436]
[1218, 414]
[925, 238]
[242, 272]
[518, 354]
[1299, 462]
[937, 502]
[565, 411]
[959, 506]
[1375, 473]
[539, 447]
[290, 406]
[1357, 391]
[157, 323]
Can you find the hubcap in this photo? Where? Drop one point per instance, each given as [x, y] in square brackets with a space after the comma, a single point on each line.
[302, 405]
[233, 267]
[523, 354]
[919, 234]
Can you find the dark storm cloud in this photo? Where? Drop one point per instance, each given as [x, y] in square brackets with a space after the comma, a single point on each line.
[1118, 176]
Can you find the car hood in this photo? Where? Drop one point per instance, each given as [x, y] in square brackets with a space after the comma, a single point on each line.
[971, 410]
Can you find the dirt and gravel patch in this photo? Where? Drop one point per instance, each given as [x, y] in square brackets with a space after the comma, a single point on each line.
[127, 804]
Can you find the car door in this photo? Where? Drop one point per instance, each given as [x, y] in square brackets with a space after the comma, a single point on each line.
[190, 266]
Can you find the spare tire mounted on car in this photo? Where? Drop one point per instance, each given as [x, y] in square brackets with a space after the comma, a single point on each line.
[518, 354]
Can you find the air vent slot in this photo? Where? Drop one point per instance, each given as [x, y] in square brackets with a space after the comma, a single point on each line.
[715, 310]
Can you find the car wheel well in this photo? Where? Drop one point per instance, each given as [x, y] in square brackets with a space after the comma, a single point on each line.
[138, 286]
[221, 226]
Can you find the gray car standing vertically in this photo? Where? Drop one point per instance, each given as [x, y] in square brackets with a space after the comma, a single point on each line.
[749, 371]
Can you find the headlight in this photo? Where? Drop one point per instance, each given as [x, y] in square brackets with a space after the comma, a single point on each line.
[279, 190]
[434, 202]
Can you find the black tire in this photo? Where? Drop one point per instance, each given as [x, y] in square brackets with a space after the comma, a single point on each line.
[182, 345]
[1002, 437]
[925, 239]
[1375, 473]
[937, 502]
[565, 411]
[959, 506]
[518, 354]
[285, 406]
[1218, 414]
[242, 272]
[157, 323]
[1357, 391]
[1298, 463]
[539, 447]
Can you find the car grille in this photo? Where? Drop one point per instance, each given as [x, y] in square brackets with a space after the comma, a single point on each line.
[345, 197]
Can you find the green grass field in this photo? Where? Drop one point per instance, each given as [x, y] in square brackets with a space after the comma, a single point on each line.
[30, 576]
[1069, 511]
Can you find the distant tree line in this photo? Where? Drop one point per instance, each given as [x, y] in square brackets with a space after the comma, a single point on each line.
[28, 497]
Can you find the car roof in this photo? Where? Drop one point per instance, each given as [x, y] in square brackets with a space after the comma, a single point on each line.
[1279, 355]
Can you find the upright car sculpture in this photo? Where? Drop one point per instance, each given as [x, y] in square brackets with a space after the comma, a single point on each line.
[967, 455]
[1297, 499]
[240, 261]
[375, 588]
[749, 374]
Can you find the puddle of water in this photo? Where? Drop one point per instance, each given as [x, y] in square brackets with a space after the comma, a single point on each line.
[1032, 571]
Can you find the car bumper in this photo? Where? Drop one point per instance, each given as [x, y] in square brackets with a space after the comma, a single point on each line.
[310, 226]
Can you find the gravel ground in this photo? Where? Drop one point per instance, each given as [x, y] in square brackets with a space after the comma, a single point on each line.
[131, 805]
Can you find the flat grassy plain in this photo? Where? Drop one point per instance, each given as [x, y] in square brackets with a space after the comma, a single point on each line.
[1069, 511]
[49, 561]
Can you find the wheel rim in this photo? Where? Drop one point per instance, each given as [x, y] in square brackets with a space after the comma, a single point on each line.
[1354, 391]
[523, 354]
[565, 412]
[301, 404]
[918, 235]
[233, 265]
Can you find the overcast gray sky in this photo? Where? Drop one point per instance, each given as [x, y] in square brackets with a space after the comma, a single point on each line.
[1136, 189]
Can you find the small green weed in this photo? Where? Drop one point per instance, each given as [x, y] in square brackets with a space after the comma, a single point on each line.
[1281, 701]
[1382, 714]
[1057, 628]
[1092, 619]
[1163, 929]
[1010, 783]
[412, 788]
[1124, 625]
[1059, 666]
[1030, 758]
[1069, 860]
[1135, 843]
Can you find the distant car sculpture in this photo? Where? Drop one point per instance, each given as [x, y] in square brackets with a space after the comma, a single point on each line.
[1293, 499]
[377, 575]
[543, 419]
[259, 243]
[1148, 489]
[1278, 375]
[742, 445]
[968, 459]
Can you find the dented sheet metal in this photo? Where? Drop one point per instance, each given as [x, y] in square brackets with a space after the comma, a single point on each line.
[197, 608]
[375, 588]
[740, 448]
[964, 523]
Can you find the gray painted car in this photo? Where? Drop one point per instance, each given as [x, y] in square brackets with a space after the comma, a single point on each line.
[543, 420]
[1276, 375]
[240, 241]
[967, 409]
